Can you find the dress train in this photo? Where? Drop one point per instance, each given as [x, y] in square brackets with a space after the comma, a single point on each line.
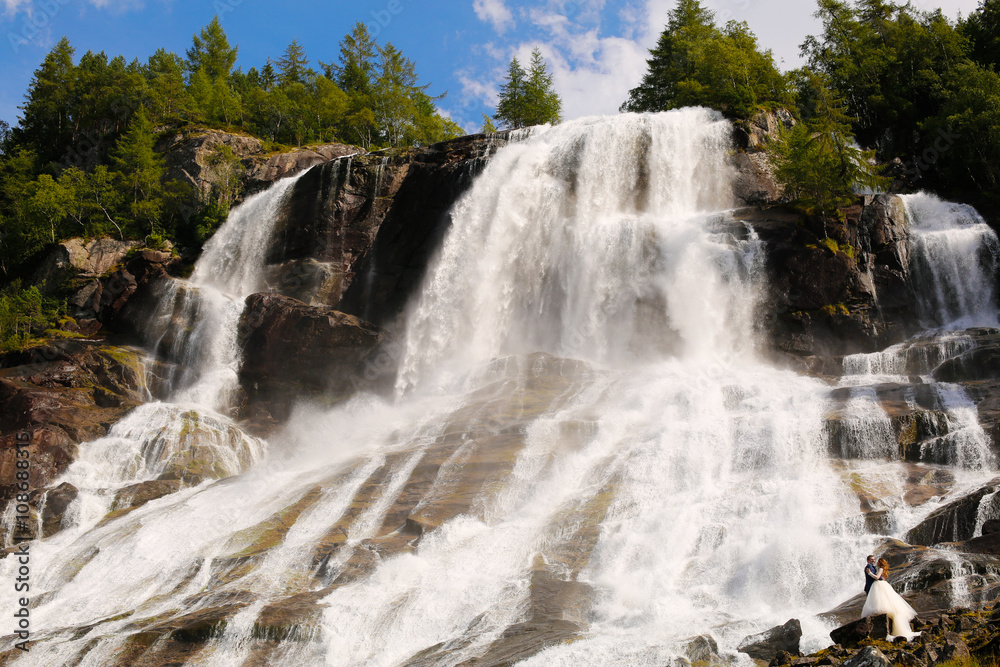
[882, 599]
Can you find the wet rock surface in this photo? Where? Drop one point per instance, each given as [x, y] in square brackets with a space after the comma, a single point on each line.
[372, 222]
[767, 645]
[836, 287]
[292, 351]
[64, 394]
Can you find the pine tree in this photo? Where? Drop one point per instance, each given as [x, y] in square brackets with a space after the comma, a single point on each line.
[511, 109]
[169, 97]
[46, 123]
[268, 77]
[982, 28]
[211, 51]
[527, 98]
[293, 66]
[356, 72]
[689, 23]
[542, 103]
[818, 159]
[139, 171]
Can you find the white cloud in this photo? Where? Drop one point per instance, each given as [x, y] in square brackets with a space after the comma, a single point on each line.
[593, 69]
[10, 6]
[495, 12]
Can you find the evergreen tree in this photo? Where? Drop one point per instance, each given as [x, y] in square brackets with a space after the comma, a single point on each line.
[689, 22]
[356, 71]
[211, 51]
[46, 121]
[818, 160]
[541, 101]
[168, 96]
[268, 77]
[293, 66]
[139, 170]
[527, 98]
[694, 63]
[982, 28]
[393, 96]
[511, 109]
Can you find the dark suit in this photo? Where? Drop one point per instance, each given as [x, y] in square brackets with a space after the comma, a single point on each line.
[870, 572]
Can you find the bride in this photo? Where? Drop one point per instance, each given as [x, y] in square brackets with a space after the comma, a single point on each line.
[882, 599]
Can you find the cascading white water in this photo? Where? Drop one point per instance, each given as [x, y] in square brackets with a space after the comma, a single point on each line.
[602, 239]
[955, 258]
[234, 258]
[584, 347]
[200, 317]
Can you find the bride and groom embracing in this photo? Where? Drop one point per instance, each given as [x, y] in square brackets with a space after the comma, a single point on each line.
[882, 599]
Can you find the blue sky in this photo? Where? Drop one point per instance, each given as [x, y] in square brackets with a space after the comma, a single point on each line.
[596, 49]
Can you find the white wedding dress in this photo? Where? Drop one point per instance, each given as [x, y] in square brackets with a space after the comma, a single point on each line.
[882, 599]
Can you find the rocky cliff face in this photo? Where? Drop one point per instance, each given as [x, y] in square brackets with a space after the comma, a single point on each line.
[194, 157]
[359, 232]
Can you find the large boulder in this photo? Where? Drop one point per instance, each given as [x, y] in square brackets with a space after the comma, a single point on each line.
[294, 350]
[869, 627]
[61, 395]
[869, 656]
[766, 645]
[80, 258]
[954, 522]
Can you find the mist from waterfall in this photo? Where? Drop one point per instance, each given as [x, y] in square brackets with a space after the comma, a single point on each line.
[583, 435]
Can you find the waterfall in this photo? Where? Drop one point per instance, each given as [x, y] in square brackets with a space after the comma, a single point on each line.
[190, 436]
[955, 262]
[583, 439]
[591, 239]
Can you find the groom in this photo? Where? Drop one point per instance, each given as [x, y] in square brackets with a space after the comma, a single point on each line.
[870, 573]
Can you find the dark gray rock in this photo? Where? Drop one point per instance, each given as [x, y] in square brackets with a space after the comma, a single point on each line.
[292, 350]
[869, 627]
[954, 522]
[869, 656]
[767, 644]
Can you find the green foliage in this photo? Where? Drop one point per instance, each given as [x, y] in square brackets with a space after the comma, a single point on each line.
[210, 51]
[140, 173]
[293, 66]
[26, 317]
[817, 159]
[527, 97]
[919, 88]
[696, 64]
[83, 160]
[982, 29]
